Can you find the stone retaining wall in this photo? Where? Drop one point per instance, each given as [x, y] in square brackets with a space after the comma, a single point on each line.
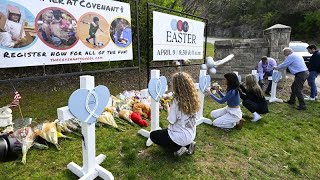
[248, 52]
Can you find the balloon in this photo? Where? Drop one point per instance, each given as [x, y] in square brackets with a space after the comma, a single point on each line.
[212, 71]
[203, 67]
[210, 62]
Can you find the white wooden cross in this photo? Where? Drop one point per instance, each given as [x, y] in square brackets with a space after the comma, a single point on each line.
[154, 112]
[155, 109]
[256, 74]
[273, 97]
[200, 118]
[91, 168]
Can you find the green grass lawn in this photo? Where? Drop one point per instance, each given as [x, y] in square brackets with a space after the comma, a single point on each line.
[210, 50]
[285, 144]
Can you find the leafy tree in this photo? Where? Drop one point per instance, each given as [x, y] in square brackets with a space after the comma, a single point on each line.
[261, 14]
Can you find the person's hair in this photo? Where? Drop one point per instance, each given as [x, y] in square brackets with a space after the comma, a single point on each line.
[264, 58]
[185, 93]
[46, 14]
[57, 14]
[312, 46]
[95, 19]
[232, 81]
[287, 49]
[252, 85]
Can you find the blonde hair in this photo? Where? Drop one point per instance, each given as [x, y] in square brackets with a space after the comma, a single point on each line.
[185, 93]
[252, 85]
[46, 14]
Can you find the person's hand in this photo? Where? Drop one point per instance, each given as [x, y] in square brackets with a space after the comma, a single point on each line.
[217, 88]
[208, 91]
[166, 106]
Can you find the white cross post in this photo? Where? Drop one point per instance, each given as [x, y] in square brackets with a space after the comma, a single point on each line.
[201, 96]
[91, 168]
[154, 113]
[239, 77]
[273, 97]
[255, 73]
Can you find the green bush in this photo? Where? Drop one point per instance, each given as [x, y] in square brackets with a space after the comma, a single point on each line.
[310, 27]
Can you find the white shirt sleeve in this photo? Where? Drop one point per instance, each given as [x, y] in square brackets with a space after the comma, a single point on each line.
[94, 24]
[172, 116]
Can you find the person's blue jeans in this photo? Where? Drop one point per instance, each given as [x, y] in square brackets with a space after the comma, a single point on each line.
[270, 82]
[312, 83]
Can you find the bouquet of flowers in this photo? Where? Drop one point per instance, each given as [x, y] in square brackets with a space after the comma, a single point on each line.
[166, 99]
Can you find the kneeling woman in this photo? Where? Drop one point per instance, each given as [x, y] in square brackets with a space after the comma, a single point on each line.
[252, 97]
[181, 116]
[229, 116]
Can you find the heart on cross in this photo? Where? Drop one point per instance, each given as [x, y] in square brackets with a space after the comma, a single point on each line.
[157, 87]
[87, 105]
[204, 82]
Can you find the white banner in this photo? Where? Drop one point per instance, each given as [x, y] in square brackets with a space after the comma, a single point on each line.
[176, 38]
[47, 32]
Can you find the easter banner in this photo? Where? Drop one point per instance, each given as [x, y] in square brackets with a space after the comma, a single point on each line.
[48, 32]
[176, 38]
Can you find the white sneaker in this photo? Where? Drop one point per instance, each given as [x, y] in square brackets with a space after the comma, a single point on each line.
[310, 99]
[192, 148]
[181, 151]
[256, 117]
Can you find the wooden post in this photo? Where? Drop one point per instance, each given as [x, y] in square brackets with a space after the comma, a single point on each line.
[154, 113]
[200, 118]
[91, 168]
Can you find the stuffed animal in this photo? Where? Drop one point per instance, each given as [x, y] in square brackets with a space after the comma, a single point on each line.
[125, 114]
[129, 103]
[141, 109]
[136, 117]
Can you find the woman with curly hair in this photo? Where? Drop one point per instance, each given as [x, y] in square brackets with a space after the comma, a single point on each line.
[231, 115]
[252, 97]
[181, 132]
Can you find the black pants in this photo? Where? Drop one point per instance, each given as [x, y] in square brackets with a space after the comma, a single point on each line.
[255, 107]
[297, 86]
[162, 138]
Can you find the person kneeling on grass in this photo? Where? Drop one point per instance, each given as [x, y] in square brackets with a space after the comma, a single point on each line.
[252, 98]
[231, 115]
[181, 132]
